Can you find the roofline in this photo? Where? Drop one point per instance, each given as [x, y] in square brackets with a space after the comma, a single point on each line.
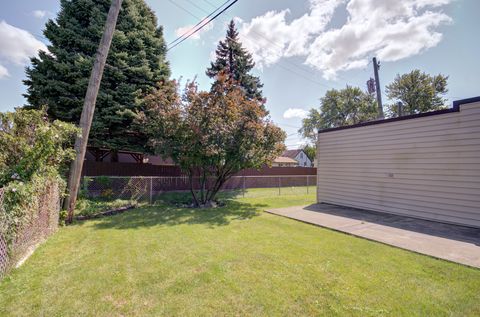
[455, 108]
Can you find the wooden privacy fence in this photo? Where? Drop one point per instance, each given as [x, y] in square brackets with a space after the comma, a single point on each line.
[93, 168]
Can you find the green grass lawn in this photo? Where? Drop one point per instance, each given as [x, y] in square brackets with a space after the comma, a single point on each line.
[234, 260]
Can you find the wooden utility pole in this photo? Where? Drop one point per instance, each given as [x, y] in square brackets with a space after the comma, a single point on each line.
[400, 108]
[89, 107]
[376, 66]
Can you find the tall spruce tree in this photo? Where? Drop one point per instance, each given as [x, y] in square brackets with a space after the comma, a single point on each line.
[135, 64]
[237, 62]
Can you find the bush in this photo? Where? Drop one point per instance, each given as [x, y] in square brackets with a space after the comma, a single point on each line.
[32, 145]
[23, 202]
[34, 153]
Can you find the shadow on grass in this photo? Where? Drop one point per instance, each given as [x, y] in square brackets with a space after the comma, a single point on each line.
[165, 214]
[186, 198]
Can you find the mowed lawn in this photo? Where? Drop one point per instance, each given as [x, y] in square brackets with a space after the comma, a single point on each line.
[234, 260]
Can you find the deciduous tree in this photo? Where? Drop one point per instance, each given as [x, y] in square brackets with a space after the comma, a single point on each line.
[311, 151]
[211, 135]
[339, 108]
[418, 92]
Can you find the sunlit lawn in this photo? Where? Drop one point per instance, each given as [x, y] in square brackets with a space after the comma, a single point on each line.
[234, 260]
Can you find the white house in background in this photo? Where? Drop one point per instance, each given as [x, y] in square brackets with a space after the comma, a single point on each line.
[300, 156]
[282, 161]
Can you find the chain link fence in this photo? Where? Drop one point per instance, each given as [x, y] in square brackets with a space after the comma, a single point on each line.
[41, 220]
[3, 242]
[149, 189]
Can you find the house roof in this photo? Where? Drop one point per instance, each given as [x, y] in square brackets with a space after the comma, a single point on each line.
[291, 153]
[283, 159]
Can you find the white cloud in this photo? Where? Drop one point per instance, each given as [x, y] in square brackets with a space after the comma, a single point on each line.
[389, 29]
[295, 113]
[270, 37]
[40, 13]
[17, 46]
[3, 72]
[186, 30]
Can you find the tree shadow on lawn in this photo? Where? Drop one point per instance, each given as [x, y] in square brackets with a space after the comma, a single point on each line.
[170, 215]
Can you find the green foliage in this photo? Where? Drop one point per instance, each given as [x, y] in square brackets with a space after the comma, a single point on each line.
[418, 92]
[135, 63]
[339, 108]
[311, 151]
[34, 150]
[212, 134]
[237, 62]
[22, 201]
[32, 145]
[103, 181]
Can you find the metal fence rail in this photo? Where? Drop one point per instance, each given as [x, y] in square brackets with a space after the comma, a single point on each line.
[148, 188]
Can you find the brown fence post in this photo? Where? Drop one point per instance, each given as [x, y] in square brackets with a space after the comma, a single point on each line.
[151, 190]
[244, 186]
[279, 185]
[308, 177]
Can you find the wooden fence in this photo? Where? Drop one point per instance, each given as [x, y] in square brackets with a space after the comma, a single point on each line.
[92, 168]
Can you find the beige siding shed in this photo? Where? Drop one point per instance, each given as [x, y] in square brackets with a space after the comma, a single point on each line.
[425, 166]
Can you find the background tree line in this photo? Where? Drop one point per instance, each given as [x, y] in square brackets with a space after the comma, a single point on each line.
[417, 91]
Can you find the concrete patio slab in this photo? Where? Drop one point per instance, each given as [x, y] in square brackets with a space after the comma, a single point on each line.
[445, 241]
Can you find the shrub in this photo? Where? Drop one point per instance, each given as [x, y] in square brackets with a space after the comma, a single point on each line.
[32, 145]
[32, 158]
[23, 202]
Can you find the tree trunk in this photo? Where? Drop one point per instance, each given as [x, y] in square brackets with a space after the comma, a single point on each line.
[192, 191]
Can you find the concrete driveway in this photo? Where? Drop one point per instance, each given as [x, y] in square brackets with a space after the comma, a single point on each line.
[445, 241]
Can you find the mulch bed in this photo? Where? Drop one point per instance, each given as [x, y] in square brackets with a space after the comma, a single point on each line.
[106, 213]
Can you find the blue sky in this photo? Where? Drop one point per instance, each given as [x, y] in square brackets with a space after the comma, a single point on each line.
[302, 47]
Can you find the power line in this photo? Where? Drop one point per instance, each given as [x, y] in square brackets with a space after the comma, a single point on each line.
[291, 126]
[195, 5]
[203, 25]
[209, 3]
[199, 22]
[279, 64]
[276, 44]
[182, 8]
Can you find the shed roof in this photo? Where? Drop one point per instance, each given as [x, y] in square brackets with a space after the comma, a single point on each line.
[283, 159]
[291, 153]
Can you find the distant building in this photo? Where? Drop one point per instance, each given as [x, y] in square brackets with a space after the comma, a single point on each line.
[282, 161]
[299, 156]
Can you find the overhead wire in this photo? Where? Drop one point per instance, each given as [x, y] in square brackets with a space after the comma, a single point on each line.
[199, 22]
[201, 26]
[278, 64]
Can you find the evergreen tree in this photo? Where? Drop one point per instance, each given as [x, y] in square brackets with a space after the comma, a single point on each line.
[237, 62]
[135, 64]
